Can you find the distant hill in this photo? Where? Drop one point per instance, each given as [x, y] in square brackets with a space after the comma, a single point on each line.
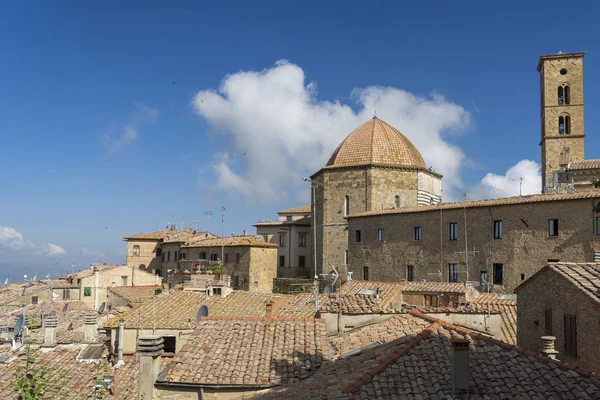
[17, 270]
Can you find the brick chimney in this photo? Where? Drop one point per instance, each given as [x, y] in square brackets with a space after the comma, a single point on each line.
[460, 366]
[548, 347]
[50, 324]
[149, 349]
[89, 328]
[269, 309]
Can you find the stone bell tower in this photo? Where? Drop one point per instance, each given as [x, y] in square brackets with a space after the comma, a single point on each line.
[561, 97]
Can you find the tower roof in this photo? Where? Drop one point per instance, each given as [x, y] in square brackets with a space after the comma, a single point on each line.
[557, 56]
[376, 143]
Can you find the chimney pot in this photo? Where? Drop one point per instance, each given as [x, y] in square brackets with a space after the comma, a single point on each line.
[460, 366]
[548, 347]
[50, 324]
[149, 349]
[89, 327]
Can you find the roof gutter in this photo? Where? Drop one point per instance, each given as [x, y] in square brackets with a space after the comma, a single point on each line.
[217, 387]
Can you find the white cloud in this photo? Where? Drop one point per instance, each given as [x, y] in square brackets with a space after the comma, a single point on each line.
[281, 132]
[52, 250]
[129, 132]
[88, 253]
[509, 184]
[15, 240]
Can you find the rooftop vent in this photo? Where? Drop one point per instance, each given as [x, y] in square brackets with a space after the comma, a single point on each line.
[510, 296]
[368, 292]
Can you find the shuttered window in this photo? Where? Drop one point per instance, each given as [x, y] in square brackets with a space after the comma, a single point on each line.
[570, 335]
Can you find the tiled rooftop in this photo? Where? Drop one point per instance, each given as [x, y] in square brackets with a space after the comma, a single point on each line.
[228, 241]
[389, 292]
[375, 142]
[437, 287]
[302, 221]
[249, 352]
[84, 273]
[152, 235]
[134, 294]
[297, 210]
[535, 198]
[175, 310]
[585, 164]
[351, 304]
[419, 366]
[68, 378]
[585, 276]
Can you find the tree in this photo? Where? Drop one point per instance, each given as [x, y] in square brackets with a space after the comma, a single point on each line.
[30, 382]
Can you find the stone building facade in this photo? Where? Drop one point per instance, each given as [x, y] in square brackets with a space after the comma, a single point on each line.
[292, 233]
[375, 167]
[573, 320]
[507, 240]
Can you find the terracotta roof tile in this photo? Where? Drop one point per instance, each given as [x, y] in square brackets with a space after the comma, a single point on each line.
[535, 198]
[438, 287]
[229, 241]
[389, 292]
[301, 221]
[297, 210]
[351, 304]
[156, 235]
[375, 142]
[135, 294]
[585, 164]
[250, 352]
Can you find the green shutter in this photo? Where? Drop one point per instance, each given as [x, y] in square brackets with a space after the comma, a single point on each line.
[87, 291]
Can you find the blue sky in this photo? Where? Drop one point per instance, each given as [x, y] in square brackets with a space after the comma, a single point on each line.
[105, 131]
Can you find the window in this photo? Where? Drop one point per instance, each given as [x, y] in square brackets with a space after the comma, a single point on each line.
[34, 299]
[175, 256]
[418, 233]
[483, 278]
[124, 281]
[564, 125]
[136, 250]
[553, 227]
[597, 226]
[567, 95]
[202, 255]
[453, 230]
[366, 273]
[282, 261]
[216, 291]
[302, 240]
[265, 238]
[431, 300]
[452, 272]
[301, 261]
[397, 201]
[237, 258]
[570, 335]
[548, 322]
[281, 240]
[66, 294]
[288, 218]
[380, 235]
[226, 258]
[87, 291]
[169, 344]
[498, 229]
[410, 273]
[347, 205]
[522, 277]
[346, 257]
[182, 256]
[214, 257]
[358, 237]
[561, 96]
[168, 256]
[498, 274]
[158, 252]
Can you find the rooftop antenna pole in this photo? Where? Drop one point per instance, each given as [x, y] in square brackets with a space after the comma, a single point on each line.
[520, 186]
[466, 242]
[223, 209]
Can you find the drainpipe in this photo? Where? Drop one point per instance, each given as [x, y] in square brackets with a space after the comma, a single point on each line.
[120, 340]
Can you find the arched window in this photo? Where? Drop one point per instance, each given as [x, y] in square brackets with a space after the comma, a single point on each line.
[158, 252]
[561, 95]
[567, 95]
[347, 205]
[136, 250]
[561, 125]
[397, 202]
[568, 125]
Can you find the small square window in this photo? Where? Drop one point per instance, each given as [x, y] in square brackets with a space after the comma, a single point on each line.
[553, 227]
[216, 291]
[418, 233]
[34, 299]
[431, 300]
[288, 218]
[281, 240]
[169, 344]
[380, 237]
[358, 237]
[87, 291]
[266, 238]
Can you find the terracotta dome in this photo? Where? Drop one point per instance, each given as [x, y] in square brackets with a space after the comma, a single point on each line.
[376, 143]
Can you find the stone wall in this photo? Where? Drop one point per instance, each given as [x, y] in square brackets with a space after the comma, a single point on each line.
[262, 269]
[147, 257]
[541, 294]
[523, 250]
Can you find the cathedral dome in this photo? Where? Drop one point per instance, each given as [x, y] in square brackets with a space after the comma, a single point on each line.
[376, 143]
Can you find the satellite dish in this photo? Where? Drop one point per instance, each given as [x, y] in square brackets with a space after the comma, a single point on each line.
[65, 307]
[328, 289]
[101, 308]
[202, 312]
[19, 325]
[53, 313]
